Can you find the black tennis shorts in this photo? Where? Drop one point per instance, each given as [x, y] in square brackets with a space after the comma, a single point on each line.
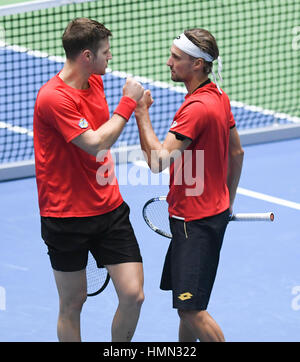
[192, 260]
[109, 237]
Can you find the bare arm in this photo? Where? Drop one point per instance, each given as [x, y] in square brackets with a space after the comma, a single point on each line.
[235, 164]
[158, 155]
[105, 136]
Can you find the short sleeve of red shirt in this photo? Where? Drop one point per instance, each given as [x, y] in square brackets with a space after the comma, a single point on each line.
[61, 110]
[231, 121]
[227, 106]
[190, 120]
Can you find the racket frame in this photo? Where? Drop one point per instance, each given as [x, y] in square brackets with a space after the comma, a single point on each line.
[149, 223]
[104, 285]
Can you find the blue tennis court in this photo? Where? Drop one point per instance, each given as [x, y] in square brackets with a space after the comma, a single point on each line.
[257, 291]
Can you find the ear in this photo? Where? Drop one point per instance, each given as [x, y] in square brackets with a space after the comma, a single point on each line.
[198, 64]
[87, 55]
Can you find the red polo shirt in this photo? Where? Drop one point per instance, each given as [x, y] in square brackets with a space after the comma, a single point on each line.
[65, 174]
[198, 179]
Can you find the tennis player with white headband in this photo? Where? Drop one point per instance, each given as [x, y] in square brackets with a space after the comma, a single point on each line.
[199, 211]
[183, 43]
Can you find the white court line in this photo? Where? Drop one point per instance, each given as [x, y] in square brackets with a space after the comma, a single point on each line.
[272, 199]
[15, 267]
[2, 298]
[16, 129]
[249, 193]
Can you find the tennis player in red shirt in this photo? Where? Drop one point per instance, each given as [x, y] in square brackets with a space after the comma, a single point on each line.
[204, 135]
[79, 211]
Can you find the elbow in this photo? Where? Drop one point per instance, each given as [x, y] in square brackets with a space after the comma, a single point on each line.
[241, 153]
[98, 150]
[237, 153]
[92, 143]
[157, 161]
[155, 170]
[100, 147]
[236, 158]
[154, 167]
[157, 165]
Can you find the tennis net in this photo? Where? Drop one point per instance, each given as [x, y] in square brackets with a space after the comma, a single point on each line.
[259, 43]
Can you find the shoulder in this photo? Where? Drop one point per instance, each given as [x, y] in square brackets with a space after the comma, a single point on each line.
[47, 91]
[211, 97]
[47, 88]
[190, 106]
[53, 97]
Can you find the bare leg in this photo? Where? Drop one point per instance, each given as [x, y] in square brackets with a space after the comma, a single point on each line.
[185, 333]
[128, 280]
[202, 325]
[71, 288]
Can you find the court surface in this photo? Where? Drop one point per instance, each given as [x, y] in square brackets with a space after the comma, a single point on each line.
[256, 296]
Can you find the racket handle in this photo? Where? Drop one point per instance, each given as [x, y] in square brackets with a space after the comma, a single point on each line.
[264, 216]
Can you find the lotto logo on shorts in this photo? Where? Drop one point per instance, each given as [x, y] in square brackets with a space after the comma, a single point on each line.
[185, 296]
[83, 123]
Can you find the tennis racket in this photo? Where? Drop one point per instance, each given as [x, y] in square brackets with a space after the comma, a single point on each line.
[97, 278]
[156, 216]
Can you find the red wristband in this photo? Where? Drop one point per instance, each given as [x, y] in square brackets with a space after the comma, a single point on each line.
[125, 107]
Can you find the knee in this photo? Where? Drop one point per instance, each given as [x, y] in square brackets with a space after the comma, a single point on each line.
[71, 304]
[133, 298]
[136, 298]
[139, 300]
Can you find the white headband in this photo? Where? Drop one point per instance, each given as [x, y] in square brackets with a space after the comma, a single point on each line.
[184, 44]
[188, 47]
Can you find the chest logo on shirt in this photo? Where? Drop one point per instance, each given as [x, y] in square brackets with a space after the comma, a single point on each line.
[173, 124]
[83, 123]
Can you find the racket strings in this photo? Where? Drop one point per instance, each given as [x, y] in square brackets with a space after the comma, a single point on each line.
[158, 215]
[96, 277]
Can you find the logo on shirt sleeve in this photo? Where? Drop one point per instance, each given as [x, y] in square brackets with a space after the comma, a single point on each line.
[83, 123]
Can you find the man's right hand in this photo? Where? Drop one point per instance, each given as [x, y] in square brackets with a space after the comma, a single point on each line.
[133, 89]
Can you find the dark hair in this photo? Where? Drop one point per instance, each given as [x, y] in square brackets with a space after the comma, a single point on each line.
[206, 42]
[83, 33]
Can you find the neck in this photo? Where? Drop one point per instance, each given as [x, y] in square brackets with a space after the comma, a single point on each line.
[74, 76]
[194, 83]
